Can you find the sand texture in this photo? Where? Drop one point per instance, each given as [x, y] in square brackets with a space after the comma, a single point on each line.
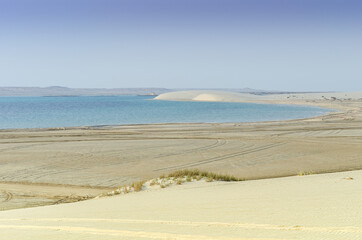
[52, 166]
[38, 165]
[315, 207]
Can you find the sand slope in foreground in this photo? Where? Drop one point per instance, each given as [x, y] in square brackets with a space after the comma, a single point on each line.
[325, 206]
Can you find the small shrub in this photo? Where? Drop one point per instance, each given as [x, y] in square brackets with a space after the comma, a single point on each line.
[305, 173]
[137, 186]
[208, 179]
[153, 182]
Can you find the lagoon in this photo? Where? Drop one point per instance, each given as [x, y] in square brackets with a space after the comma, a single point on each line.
[51, 112]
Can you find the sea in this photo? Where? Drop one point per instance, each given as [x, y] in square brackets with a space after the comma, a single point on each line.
[75, 111]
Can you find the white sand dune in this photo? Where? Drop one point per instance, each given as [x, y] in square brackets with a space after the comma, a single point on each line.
[207, 95]
[325, 206]
[224, 96]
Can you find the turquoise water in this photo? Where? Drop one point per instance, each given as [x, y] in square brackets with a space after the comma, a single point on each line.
[41, 112]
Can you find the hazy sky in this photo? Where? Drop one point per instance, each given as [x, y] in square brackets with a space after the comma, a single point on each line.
[265, 44]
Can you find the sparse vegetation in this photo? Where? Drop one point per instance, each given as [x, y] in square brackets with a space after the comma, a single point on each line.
[208, 179]
[137, 186]
[153, 182]
[179, 181]
[175, 178]
[198, 175]
[305, 173]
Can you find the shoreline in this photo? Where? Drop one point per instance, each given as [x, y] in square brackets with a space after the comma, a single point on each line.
[332, 109]
[103, 157]
[304, 166]
[335, 107]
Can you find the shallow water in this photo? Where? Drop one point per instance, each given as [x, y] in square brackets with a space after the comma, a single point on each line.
[41, 112]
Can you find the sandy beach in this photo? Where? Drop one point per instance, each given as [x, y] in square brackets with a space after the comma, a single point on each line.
[49, 166]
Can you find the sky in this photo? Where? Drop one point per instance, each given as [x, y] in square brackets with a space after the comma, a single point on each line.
[291, 45]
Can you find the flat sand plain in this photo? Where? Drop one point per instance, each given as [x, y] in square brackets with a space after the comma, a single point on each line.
[47, 166]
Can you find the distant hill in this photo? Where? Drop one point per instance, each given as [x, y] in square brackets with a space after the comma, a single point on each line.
[241, 90]
[65, 91]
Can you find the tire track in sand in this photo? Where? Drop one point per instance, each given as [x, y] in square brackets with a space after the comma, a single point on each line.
[218, 143]
[125, 233]
[331, 230]
[8, 196]
[223, 157]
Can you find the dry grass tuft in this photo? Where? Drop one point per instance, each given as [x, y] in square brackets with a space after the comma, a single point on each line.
[137, 186]
[177, 177]
[305, 173]
[153, 182]
[348, 178]
[198, 175]
[179, 182]
[208, 179]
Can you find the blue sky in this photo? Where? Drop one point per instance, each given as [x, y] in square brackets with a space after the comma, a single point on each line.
[295, 45]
